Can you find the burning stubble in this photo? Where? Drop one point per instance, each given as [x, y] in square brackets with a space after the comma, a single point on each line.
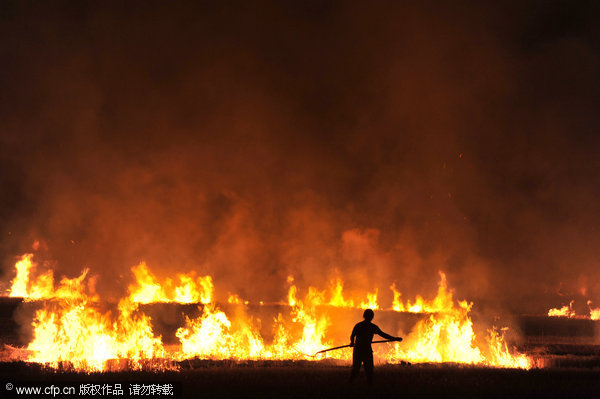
[376, 144]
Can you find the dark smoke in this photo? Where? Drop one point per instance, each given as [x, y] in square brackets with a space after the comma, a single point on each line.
[255, 140]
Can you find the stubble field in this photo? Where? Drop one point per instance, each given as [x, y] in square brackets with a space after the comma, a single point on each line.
[323, 380]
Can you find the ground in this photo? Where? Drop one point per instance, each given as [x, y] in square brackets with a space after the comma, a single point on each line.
[310, 380]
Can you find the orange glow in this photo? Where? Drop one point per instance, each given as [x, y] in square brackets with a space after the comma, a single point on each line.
[213, 336]
[235, 299]
[42, 286]
[87, 339]
[397, 304]
[314, 325]
[442, 302]
[19, 284]
[337, 295]
[594, 312]
[147, 289]
[447, 334]
[567, 311]
[78, 330]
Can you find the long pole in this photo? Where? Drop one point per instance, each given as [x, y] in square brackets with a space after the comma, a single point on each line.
[347, 346]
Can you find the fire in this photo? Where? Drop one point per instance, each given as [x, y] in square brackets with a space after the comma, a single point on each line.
[314, 326]
[74, 328]
[397, 304]
[189, 290]
[442, 302]
[336, 296]
[568, 311]
[447, 335]
[19, 284]
[42, 287]
[88, 339]
[594, 313]
[499, 354]
[444, 337]
[235, 299]
[371, 302]
[565, 311]
[213, 336]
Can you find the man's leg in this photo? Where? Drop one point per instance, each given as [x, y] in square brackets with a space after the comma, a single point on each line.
[368, 361]
[356, 361]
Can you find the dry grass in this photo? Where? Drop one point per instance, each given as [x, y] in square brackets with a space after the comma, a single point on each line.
[309, 380]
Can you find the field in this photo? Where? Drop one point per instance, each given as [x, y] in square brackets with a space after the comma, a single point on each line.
[322, 380]
[565, 350]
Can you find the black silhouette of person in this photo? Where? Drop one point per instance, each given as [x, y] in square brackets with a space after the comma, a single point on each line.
[361, 338]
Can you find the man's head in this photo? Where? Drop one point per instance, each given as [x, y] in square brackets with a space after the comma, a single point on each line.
[368, 315]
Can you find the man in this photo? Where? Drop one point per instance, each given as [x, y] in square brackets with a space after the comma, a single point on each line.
[361, 338]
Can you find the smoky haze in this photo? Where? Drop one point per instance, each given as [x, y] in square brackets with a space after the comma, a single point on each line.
[378, 142]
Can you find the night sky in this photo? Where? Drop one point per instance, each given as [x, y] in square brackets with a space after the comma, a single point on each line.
[377, 141]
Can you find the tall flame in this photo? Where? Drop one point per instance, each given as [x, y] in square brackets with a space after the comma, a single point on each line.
[74, 328]
[447, 335]
[19, 284]
[211, 336]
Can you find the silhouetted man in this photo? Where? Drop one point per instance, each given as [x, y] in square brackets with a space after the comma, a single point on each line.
[361, 338]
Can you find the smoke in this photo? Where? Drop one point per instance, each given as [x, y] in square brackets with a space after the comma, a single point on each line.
[378, 143]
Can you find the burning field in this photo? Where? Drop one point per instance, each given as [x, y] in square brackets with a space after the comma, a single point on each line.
[174, 330]
[210, 194]
[72, 328]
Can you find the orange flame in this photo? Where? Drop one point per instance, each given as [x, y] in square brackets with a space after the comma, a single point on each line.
[189, 290]
[568, 311]
[447, 334]
[19, 284]
[42, 287]
[565, 311]
[594, 312]
[74, 328]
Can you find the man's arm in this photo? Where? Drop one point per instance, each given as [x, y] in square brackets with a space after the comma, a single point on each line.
[387, 336]
[352, 336]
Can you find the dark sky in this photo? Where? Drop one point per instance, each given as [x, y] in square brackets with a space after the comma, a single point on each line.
[380, 141]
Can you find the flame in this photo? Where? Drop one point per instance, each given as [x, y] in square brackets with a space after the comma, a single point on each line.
[594, 313]
[42, 287]
[397, 304]
[337, 295]
[568, 311]
[72, 328]
[80, 334]
[334, 296]
[75, 329]
[19, 284]
[447, 335]
[314, 327]
[212, 336]
[443, 337]
[235, 299]
[565, 311]
[148, 289]
[442, 302]
[499, 354]
[371, 302]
